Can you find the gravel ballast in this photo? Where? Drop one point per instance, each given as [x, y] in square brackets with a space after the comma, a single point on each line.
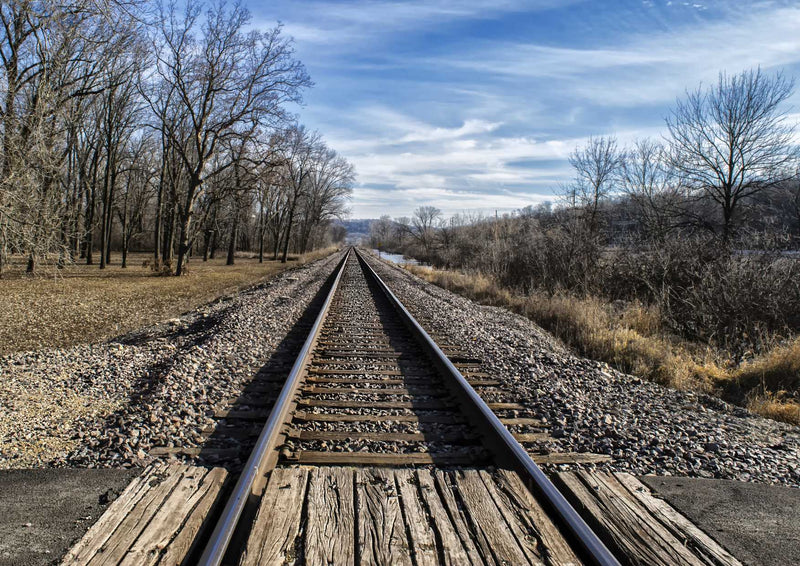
[590, 407]
[108, 404]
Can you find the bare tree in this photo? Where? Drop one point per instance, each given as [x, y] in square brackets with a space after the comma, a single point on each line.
[596, 166]
[225, 79]
[423, 223]
[297, 153]
[330, 185]
[381, 232]
[652, 184]
[732, 140]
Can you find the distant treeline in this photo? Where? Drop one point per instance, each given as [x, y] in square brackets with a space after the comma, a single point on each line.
[700, 226]
[156, 125]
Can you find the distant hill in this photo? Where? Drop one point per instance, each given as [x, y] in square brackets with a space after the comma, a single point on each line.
[357, 228]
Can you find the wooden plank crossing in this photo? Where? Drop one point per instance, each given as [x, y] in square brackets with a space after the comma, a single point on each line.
[635, 524]
[383, 516]
[423, 516]
[155, 521]
[387, 515]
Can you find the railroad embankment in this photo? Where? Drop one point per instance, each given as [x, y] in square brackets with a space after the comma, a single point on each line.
[630, 338]
[647, 428]
[110, 403]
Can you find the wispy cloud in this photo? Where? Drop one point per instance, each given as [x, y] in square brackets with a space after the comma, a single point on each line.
[351, 24]
[644, 68]
[471, 105]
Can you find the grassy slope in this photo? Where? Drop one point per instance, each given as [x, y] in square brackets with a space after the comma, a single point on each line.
[82, 304]
[631, 340]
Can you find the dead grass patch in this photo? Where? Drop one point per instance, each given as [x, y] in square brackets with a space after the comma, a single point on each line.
[630, 337]
[82, 304]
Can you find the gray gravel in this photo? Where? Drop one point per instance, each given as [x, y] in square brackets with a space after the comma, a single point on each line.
[155, 387]
[110, 403]
[590, 407]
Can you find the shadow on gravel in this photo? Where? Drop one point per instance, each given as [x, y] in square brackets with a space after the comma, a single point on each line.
[414, 362]
[185, 338]
[232, 441]
[185, 335]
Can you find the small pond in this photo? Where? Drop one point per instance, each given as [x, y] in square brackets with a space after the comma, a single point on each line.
[398, 258]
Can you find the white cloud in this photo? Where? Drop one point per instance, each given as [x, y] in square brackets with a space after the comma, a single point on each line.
[372, 203]
[644, 69]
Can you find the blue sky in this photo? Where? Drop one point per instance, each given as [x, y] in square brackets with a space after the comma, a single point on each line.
[474, 105]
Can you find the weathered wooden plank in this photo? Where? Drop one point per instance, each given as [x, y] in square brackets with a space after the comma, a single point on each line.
[195, 451]
[399, 363]
[363, 381]
[623, 526]
[569, 458]
[389, 353]
[170, 534]
[330, 534]
[695, 539]
[489, 526]
[422, 404]
[374, 390]
[407, 380]
[407, 372]
[326, 435]
[348, 404]
[523, 536]
[98, 535]
[522, 421]
[505, 406]
[531, 436]
[449, 519]
[231, 431]
[196, 524]
[344, 324]
[132, 525]
[382, 536]
[277, 524]
[536, 532]
[364, 355]
[334, 418]
[311, 457]
[422, 539]
[378, 340]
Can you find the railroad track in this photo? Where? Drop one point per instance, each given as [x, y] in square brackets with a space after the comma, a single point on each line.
[378, 449]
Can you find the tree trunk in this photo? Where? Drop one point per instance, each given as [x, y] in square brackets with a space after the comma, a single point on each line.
[158, 229]
[91, 207]
[186, 224]
[106, 212]
[289, 223]
[207, 243]
[261, 230]
[234, 232]
[125, 234]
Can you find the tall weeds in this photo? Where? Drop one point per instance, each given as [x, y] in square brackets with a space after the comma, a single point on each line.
[632, 337]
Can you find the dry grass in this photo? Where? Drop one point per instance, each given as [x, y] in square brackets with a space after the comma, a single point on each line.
[81, 304]
[630, 338]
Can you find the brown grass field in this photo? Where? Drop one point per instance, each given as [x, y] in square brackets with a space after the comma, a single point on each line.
[632, 341]
[80, 303]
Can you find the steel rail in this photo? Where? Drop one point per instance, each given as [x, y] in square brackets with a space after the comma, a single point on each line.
[220, 538]
[502, 442]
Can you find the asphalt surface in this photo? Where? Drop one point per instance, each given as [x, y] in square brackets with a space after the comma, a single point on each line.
[44, 511]
[757, 523]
